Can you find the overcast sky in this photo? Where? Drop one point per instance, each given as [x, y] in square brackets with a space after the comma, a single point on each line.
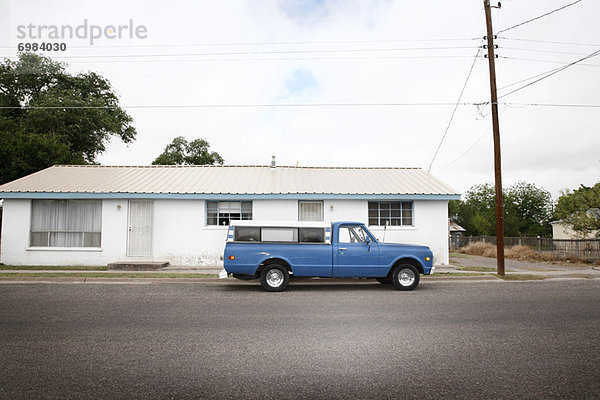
[365, 54]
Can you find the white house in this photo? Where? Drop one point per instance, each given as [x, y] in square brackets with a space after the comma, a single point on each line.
[95, 215]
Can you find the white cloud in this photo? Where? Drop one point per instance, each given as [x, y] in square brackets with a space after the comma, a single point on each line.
[552, 147]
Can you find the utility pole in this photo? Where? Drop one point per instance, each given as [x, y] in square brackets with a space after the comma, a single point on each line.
[496, 128]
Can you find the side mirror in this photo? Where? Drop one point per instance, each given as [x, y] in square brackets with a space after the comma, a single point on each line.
[367, 239]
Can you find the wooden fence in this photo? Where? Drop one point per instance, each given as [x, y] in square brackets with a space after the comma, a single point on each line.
[587, 249]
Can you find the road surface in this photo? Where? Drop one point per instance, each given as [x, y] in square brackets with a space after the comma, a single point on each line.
[317, 340]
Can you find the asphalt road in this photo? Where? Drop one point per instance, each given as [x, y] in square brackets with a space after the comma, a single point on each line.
[232, 340]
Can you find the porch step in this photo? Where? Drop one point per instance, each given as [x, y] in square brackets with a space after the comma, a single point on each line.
[138, 265]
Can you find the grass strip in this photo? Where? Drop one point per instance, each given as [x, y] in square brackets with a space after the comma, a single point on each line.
[104, 275]
[50, 268]
[438, 274]
[522, 277]
[477, 269]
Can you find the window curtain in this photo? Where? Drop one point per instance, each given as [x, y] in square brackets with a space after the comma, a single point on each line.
[66, 223]
[311, 211]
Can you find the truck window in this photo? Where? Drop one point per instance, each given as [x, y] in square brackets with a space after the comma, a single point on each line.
[279, 234]
[352, 234]
[247, 234]
[311, 235]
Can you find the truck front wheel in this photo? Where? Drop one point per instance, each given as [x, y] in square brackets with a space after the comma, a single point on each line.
[405, 277]
[274, 278]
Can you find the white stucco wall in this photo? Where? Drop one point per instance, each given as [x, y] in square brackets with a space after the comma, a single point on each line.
[180, 236]
[15, 238]
[430, 219]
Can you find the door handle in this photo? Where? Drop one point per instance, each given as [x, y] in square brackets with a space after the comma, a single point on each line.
[343, 248]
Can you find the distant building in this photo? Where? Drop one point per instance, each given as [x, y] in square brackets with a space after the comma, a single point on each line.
[563, 230]
[95, 215]
[457, 233]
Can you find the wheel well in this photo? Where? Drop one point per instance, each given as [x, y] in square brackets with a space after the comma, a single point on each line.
[410, 261]
[273, 261]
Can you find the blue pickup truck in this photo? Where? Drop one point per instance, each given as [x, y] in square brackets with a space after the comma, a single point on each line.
[275, 251]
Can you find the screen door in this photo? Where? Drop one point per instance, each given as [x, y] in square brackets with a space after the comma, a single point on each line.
[139, 235]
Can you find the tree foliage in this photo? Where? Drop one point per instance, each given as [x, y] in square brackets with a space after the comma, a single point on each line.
[581, 209]
[33, 138]
[182, 152]
[527, 210]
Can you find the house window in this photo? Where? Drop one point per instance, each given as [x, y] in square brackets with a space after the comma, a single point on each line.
[310, 211]
[221, 212]
[66, 223]
[392, 213]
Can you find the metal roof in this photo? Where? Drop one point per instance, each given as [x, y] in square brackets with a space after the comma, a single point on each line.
[227, 180]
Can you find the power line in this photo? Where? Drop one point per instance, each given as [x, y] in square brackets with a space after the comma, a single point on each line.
[248, 105]
[269, 43]
[198, 60]
[551, 105]
[266, 52]
[554, 72]
[300, 105]
[465, 152]
[546, 61]
[531, 77]
[455, 108]
[549, 41]
[541, 16]
[543, 51]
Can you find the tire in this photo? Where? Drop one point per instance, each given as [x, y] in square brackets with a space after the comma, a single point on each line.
[405, 277]
[274, 278]
[386, 281]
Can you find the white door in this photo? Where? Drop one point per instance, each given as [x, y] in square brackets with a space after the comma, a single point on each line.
[139, 235]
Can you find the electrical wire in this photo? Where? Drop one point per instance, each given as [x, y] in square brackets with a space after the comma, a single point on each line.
[551, 105]
[368, 57]
[546, 61]
[554, 72]
[464, 152]
[541, 16]
[550, 42]
[159, 106]
[455, 108]
[301, 105]
[268, 43]
[543, 51]
[240, 53]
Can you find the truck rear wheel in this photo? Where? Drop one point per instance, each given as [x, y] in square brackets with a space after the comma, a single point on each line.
[274, 278]
[405, 277]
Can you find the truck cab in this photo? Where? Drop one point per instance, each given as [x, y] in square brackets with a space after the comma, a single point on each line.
[274, 252]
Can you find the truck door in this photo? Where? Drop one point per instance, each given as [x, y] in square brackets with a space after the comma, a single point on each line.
[355, 254]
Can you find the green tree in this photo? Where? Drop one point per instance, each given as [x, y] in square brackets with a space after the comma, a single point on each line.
[527, 210]
[182, 152]
[54, 117]
[581, 209]
[476, 213]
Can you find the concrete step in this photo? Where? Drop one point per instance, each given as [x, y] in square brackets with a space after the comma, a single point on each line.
[138, 265]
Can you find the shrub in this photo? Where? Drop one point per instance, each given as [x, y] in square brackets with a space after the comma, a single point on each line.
[479, 249]
[518, 252]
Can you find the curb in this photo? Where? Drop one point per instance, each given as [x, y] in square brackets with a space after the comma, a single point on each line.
[145, 281]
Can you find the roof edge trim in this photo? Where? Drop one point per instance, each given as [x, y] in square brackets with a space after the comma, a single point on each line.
[216, 196]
